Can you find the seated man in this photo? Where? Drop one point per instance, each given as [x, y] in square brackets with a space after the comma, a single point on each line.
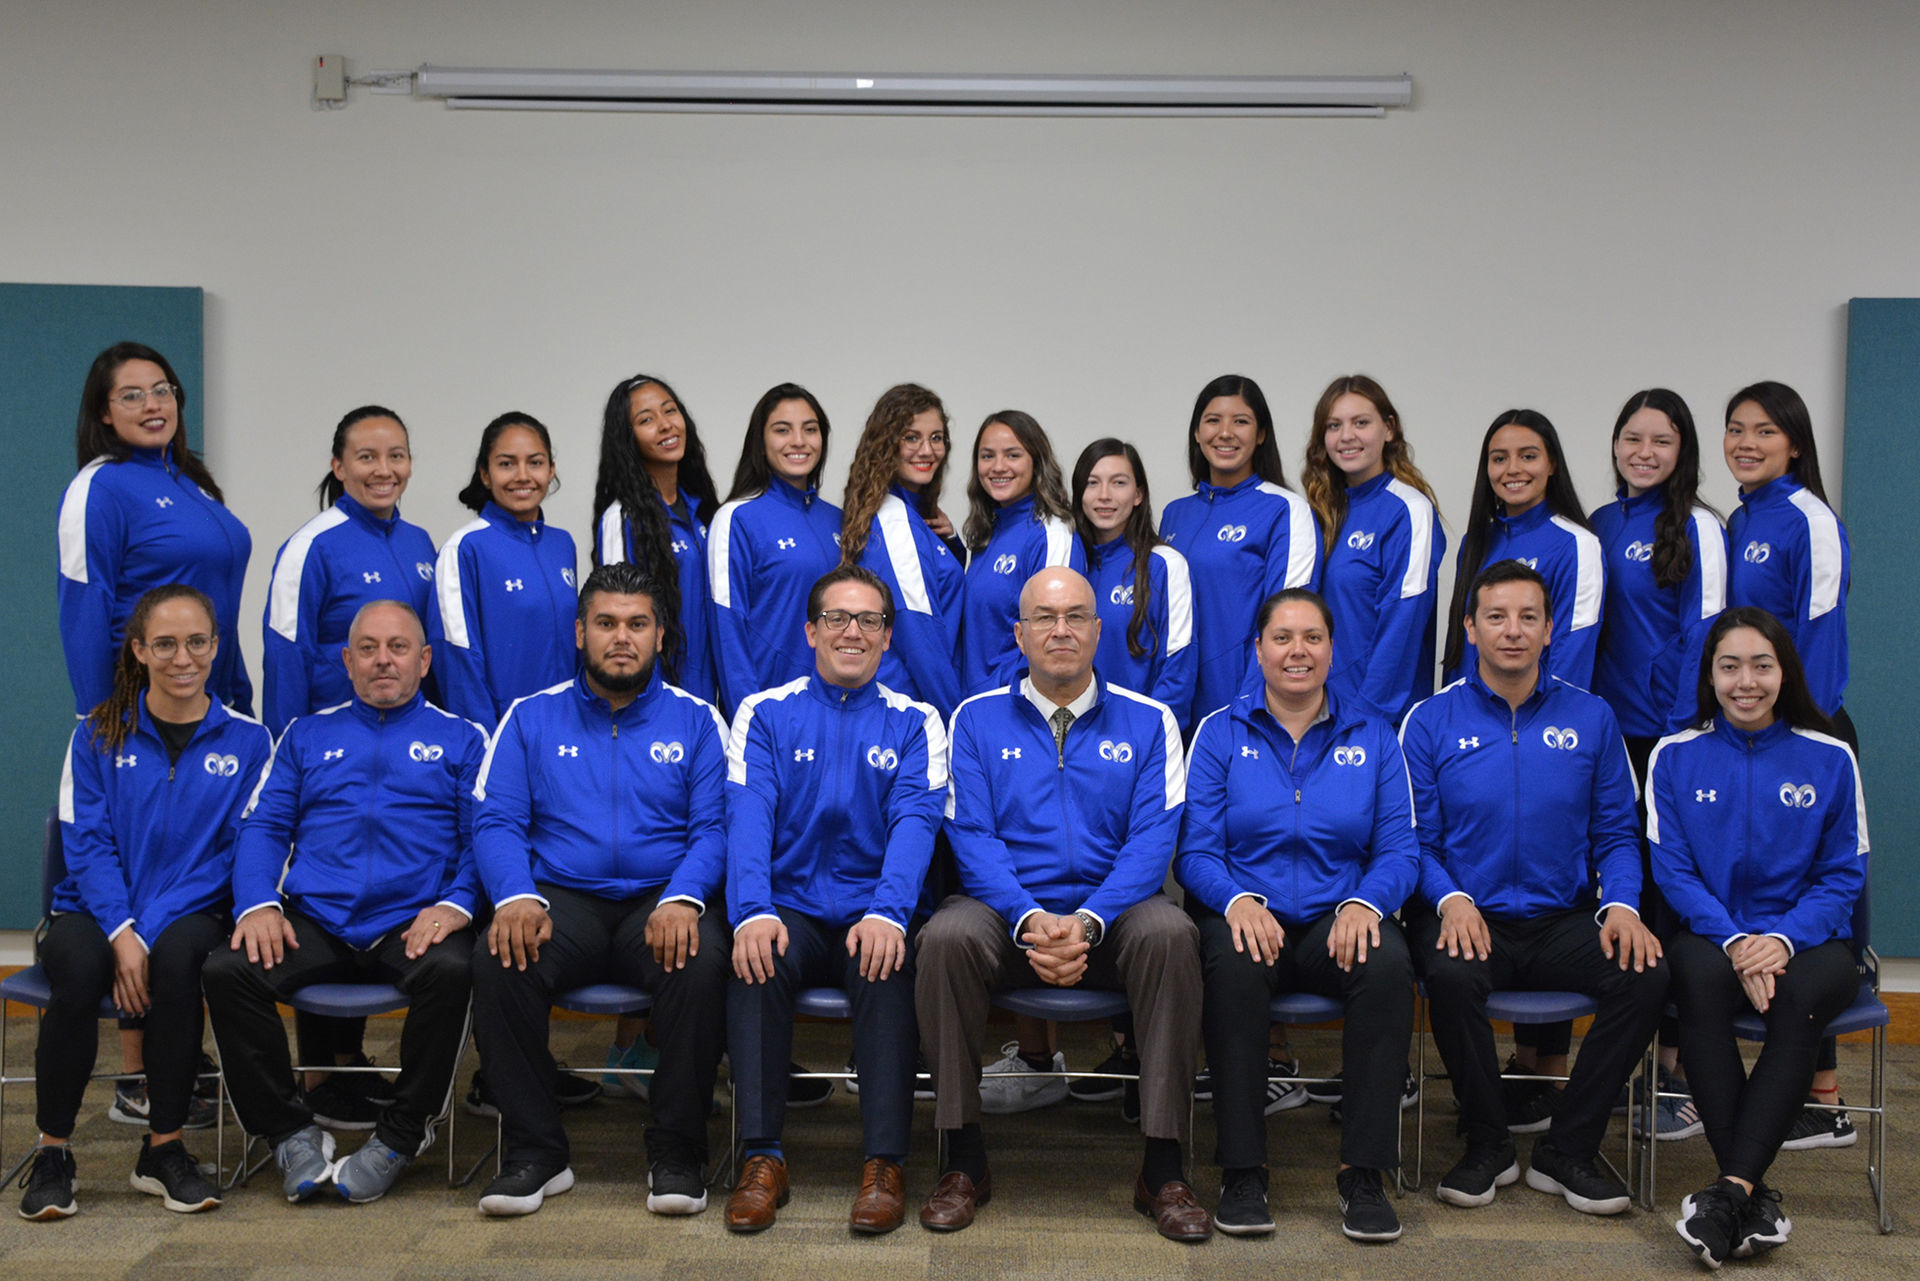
[1064, 812]
[834, 789]
[599, 836]
[374, 800]
[1524, 803]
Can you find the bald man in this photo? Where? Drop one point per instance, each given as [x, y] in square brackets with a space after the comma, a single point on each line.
[1063, 811]
[368, 808]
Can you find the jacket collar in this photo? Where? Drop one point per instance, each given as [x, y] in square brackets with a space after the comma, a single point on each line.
[1368, 488]
[1543, 687]
[506, 522]
[216, 716]
[368, 714]
[1531, 519]
[1211, 492]
[791, 495]
[1777, 490]
[360, 515]
[598, 706]
[839, 697]
[1770, 736]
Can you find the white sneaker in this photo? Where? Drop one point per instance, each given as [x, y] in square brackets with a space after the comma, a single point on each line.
[1001, 1092]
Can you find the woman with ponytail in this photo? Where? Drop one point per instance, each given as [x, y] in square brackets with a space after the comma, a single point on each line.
[155, 780]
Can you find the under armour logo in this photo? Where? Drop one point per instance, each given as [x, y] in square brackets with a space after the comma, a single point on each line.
[1465, 743]
[785, 543]
[333, 755]
[1112, 751]
[1254, 752]
[883, 758]
[1800, 798]
[370, 576]
[566, 576]
[1531, 562]
[1009, 753]
[1360, 541]
[221, 766]
[667, 753]
[1639, 551]
[1006, 564]
[516, 584]
[1349, 756]
[126, 762]
[1706, 794]
[569, 751]
[680, 546]
[1563, 739]
[424, 568]
[1232, 534]
[163, 502]
[1757, 553]
[425, 751]
[803, 753]
[1122, 595]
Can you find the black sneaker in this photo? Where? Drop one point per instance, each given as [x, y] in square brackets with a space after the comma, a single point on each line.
[1474, 1177]
[480, 1103]
[1365, 1213]
[1243, 1208]
[522, 1186]
[802, 1092]
[49, 1181]
[1819, 1128]
[1710, 1221]
[570, 1091]
[339, 1108]
[1529, 1104]
[674, 1186]
[171, 1173]
[1763, 1225]
[371, 1086]
[1100, 1089]
[1587, 1188]
[1328, 1092]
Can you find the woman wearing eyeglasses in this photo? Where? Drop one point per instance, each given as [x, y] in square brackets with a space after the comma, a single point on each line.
[143, 511]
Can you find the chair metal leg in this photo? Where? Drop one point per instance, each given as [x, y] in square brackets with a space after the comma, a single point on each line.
[1420, 1107]
[1877, 1133]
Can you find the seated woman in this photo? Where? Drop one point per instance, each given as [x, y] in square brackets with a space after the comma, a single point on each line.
[1300, 897]
[155, 780]
[1759, 841]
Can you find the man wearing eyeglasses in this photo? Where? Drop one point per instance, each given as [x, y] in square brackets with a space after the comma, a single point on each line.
[1063, 810]
[834, 789]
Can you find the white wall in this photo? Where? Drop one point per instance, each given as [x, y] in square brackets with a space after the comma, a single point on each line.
[1578, 204]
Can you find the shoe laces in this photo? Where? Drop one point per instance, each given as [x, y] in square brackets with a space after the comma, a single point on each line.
[1362, 1186]
[174, 1161]
[49, 1165]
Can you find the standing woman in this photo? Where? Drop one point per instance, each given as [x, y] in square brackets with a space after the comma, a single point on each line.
[1244, 534]
[1765, 892]
[356, 551]
[154, 783]
[893, 526]
[1384, 544]
[143, 511]
[1018, 523]
[1525, 508]
[504, 594]
[774, 537]
[651, 504]
[1140, 585]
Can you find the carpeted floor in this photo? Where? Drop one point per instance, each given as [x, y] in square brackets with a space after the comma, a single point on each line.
[1062, 1205]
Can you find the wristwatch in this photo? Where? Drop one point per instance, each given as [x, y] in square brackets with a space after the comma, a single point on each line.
[1091, 924]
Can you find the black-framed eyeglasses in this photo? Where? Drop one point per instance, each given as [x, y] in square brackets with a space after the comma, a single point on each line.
[836, 620]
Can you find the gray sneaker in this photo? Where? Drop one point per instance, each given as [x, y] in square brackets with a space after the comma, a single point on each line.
[367, 1174]
[305, 1161]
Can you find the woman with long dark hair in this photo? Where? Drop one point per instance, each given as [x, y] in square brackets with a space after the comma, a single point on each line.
[155, 780]
[770, 542]
[1244, 533]
[505, 590]
[1140, 585]
[356, 551]
[1383, 543]
[143, 511]
[1759, 838]
[1018, 523]
[652, 500]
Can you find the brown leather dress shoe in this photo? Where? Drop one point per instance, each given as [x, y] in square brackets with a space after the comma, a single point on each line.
[881, 1204]
[1175, 1212]
[954, 1200]
[762, 1190]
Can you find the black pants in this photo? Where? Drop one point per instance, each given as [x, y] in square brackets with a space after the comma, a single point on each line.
[79, 964]
[599, 940]
[886, 1037]
[1373, 1041]
[241, 996]
[1747, 1116]
[1559, 952]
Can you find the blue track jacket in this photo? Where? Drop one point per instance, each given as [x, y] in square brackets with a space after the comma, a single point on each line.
[833, 797]
[1303, 828]
[342, 559]
[764, 555]
[1525, 812]
[1165, 672]
[370, 813]
[1382, 580]
[614, 804]
[501, 624]
[127, 527]
[613, 543]
[1020, 546]
[1094, 828]
[1649, 658]
[927, 585]
[1758, 833]
[1242, 545]
[1569, 558]
[1788, 553]
[148, 842]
